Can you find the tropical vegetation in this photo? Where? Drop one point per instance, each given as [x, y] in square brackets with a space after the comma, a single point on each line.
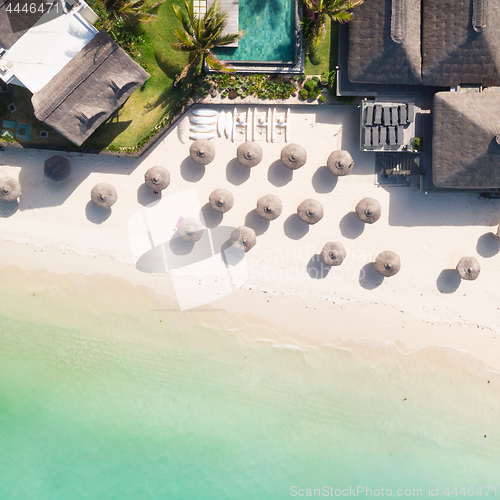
[130, 11]
[199, 35]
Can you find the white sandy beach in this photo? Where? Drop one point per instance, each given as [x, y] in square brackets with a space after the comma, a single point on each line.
[55, 228]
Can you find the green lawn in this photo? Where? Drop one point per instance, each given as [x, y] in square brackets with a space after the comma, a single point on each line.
[327, 52]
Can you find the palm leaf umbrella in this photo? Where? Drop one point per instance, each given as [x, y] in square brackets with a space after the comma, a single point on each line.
[333, 253]
[269, 207]
[157, 178]
[310, 211]
[293, 156]
[244, 238]
[202, 151]
[340, 162]
[369, 210]
[10, 189]
[387, 263]
[221, 200]
[190, 229]
[103, 195]
[249, 154]
[468, 268]
[57, 168]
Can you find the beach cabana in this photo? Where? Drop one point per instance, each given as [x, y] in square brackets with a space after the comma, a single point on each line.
[340, 162]
[202, 151]
[10, 189]
[269, 207]
[333, 253]
[387, 263]
[157, 178]
[244, 238]
[190, 229]
[221, 200]
[310, 211]
[57, 168]
[368, 210]
[468, 268]
[293, 156]
[103, 195]
[249, 154]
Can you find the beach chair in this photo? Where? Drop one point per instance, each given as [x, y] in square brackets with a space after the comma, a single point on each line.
[375, 136]
[411, 112]
[402, 114]
[387, 116]
[392, 135]
[400, 135]
[369, 116]
[377, 114]
[241, 122]
[368, 137]
[281, 123]
[394, 115]
[383, 136]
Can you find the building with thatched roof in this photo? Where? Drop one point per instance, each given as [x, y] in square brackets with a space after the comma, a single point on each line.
[96, 82]
[466, 140]
[384, 42]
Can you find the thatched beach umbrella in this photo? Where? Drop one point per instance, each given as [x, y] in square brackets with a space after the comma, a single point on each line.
[202, 151]
[269, 207]
[57, 168]
[498, 231]
[157, 178]
[293, 156]
[369, 210]
[468, 268]
[333, 253]
[190, 229]
[387, 263]
[310, 211]
[10, 189]
[103, 195]
[221, 200]
[340, 162]
[249, 154]
[244, 238]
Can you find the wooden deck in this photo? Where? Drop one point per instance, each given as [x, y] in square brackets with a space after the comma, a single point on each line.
[232, 9]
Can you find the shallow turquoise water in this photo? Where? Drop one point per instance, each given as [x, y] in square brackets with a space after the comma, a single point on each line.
[152, 404]
[269, 32]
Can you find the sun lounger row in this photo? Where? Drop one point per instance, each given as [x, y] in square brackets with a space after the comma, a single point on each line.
[401, 114]
[383, 136]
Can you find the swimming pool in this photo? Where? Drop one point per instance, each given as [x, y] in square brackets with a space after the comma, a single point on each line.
[270, 36]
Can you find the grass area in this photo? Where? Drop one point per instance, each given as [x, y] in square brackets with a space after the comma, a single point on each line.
[327, 52]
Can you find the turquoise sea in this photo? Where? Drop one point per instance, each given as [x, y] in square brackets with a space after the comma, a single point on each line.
[107, 394]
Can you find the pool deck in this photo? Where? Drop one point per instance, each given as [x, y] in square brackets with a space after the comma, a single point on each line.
[231, 7]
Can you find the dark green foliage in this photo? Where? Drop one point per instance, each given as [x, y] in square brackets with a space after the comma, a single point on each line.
[129, 41]
[303, 94]
[263, 86]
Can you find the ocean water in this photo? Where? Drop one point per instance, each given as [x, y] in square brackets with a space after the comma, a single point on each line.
[108, 393]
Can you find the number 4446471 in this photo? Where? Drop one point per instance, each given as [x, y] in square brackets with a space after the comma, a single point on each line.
[471, 491]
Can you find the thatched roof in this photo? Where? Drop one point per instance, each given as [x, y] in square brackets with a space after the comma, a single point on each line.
[465, 153]
[461, 42]
[13, 25]
[96, 82]
[384, 44]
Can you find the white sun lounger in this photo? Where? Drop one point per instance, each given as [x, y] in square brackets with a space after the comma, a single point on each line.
[282, 123]
[240, 122]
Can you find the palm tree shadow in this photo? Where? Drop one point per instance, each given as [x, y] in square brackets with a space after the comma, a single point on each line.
[170, 66]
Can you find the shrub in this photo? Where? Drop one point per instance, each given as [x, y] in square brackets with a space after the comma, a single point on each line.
[321, 98]
[233, 94]
[8, 137]
[303, 94]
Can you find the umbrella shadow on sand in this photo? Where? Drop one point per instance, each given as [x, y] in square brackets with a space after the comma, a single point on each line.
[351, 226]
[316, 268]
[295, 228]
[236, 173]
[448, 281]
[210, 217]
[8, 208]
[278, 175]
[256, 222]
[369, 278]
[96, 214]
[488, 245]
[323, 180]
[146, 196]
[191, 171]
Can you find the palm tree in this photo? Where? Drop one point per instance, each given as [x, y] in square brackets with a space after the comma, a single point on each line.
[198, 35]
[132, 11]
[336, 10]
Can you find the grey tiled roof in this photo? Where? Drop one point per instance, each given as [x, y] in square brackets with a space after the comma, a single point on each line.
[465, 153]
[374, 55]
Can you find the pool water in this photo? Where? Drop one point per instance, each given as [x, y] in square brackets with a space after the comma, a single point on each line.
[269, 27]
